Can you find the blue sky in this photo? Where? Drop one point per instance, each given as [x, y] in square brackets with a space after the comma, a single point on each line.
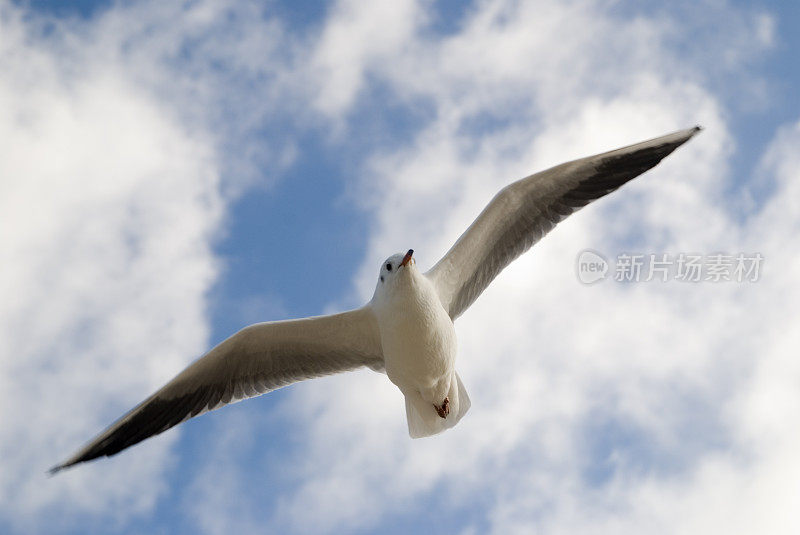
[179, 170]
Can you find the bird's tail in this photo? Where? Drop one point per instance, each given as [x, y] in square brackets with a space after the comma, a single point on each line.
[423, 421]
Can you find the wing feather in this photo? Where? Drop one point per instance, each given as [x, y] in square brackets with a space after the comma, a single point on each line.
[258, 359]
[523, 212]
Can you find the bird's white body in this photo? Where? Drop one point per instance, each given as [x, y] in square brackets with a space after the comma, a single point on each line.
[417, 335]
[419, 347]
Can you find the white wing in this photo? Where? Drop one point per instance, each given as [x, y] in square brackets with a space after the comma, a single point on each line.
[256, 360]
[523, 212]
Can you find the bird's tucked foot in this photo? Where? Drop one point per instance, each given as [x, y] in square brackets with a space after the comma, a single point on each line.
[444, 410]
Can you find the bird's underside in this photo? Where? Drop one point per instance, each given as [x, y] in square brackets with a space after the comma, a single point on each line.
[267, 356]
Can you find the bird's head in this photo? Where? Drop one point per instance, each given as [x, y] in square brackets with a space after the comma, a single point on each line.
[396, 265]
[395, 270]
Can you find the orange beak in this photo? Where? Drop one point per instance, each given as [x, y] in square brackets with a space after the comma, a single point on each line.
[407, 257]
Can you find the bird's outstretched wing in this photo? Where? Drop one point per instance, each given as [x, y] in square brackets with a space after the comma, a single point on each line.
[523, 212]
[256, 360]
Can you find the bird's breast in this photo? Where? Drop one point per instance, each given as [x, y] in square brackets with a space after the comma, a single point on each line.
[419, 341]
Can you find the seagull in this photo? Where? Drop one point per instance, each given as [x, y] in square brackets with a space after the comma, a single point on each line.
[406, 330]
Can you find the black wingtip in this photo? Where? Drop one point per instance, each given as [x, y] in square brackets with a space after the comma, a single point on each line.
[55, 469]
[62, 466]
[689, 133]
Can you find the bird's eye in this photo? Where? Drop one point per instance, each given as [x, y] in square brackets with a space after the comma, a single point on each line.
[388, 267]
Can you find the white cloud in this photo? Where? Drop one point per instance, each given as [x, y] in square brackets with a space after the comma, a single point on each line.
[214, 498]
[107, 210]
[224, 69]
[116, 135]
[357, 34]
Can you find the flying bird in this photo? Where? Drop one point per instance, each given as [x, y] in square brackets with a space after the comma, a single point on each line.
[406, 330]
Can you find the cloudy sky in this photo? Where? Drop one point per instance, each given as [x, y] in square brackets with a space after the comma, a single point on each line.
[172, 171]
